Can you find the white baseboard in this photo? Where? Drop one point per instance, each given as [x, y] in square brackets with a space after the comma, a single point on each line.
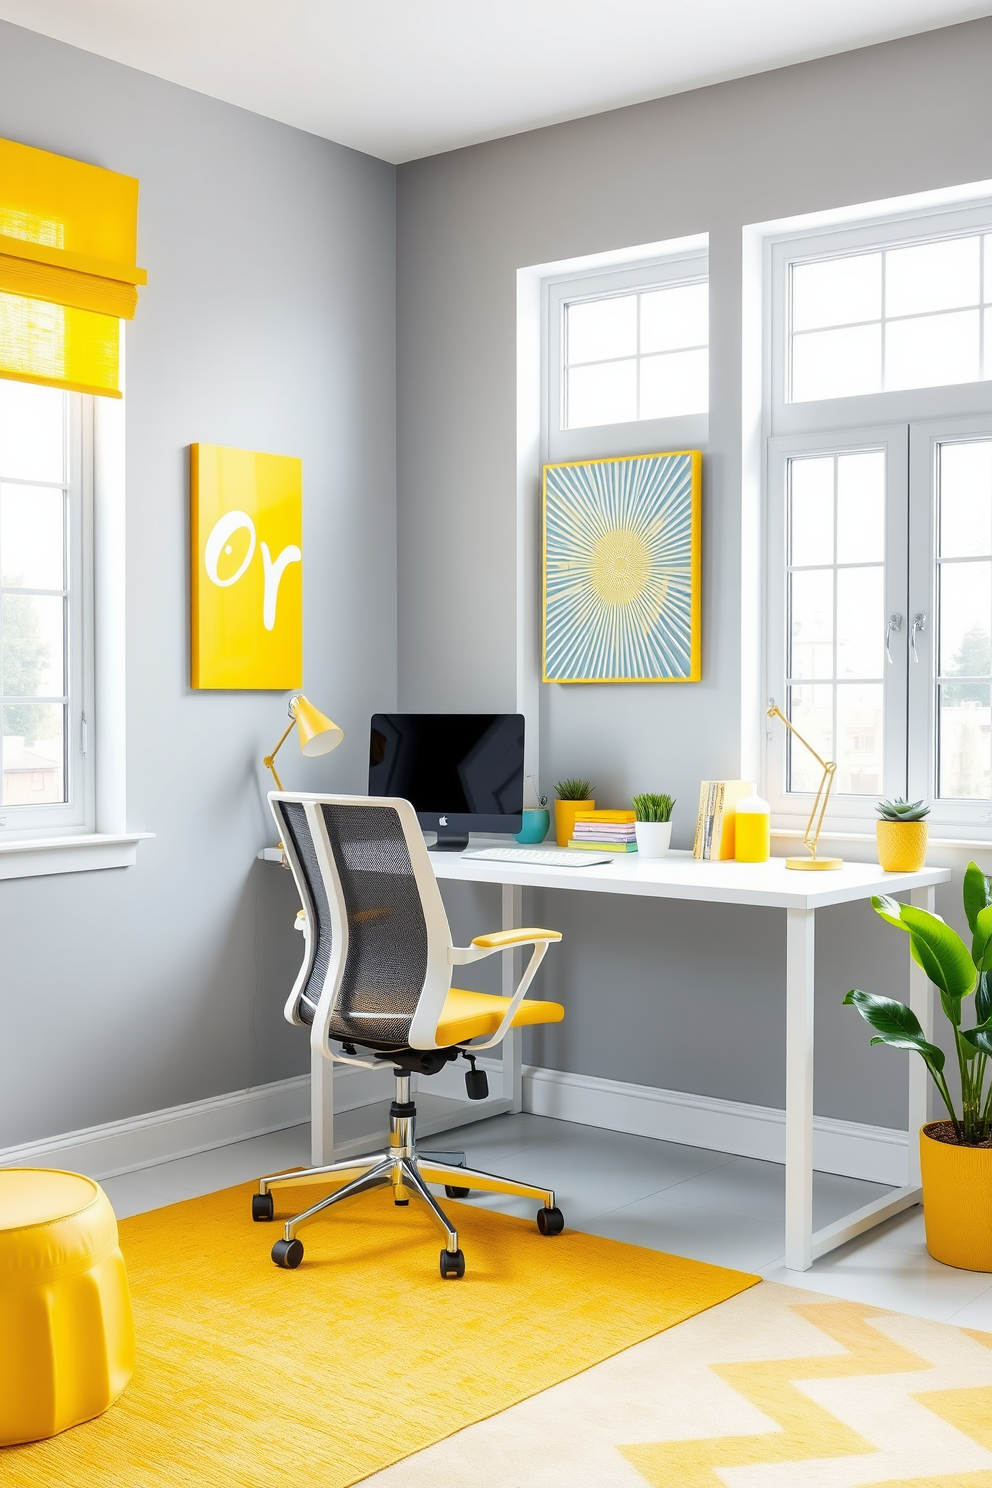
[874, 1152]
[877, 1153]
[179, 1131]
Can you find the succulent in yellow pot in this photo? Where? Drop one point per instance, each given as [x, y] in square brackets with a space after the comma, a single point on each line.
[956, 1154]
[901, 834]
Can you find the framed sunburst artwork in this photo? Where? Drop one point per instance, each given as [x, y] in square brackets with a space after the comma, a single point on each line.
[621, 569]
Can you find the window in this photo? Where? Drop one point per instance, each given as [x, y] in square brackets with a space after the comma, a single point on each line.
[879, 514]
[963, 478]
[907, 317]
[636, 356]
[628, 347]
[45, 631]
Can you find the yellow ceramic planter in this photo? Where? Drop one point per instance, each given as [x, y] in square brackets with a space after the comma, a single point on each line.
[902, 846]
[957, 1202]
[565, 813]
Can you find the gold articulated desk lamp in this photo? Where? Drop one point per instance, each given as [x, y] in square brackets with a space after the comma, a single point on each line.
[815, 824]
[318, 735]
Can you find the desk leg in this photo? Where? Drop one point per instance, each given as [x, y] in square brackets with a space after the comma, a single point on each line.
[921, 1002]
[321, 1110]
[513, 1089]
[799, 1090]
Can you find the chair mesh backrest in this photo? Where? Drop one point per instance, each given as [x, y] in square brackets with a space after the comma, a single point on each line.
[387, 933]
[296, 833]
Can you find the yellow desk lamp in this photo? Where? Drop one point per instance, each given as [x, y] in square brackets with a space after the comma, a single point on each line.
[318, 735]
[815, 824]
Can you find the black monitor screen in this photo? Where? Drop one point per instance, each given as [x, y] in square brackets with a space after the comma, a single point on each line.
[466, 767]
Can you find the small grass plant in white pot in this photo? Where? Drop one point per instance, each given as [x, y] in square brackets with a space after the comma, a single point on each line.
[653, 827]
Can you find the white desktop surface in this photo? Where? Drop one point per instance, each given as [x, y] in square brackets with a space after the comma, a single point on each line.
[681, 876]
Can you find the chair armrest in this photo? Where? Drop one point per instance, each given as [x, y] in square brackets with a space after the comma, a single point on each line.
[499, 940]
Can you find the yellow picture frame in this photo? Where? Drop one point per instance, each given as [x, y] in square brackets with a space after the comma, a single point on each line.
[246, 529]
[622, 569]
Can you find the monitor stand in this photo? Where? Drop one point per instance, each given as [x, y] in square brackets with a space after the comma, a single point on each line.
[450, 842]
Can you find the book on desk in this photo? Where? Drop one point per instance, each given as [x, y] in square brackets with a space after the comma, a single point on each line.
[604, 831]
[716, 818]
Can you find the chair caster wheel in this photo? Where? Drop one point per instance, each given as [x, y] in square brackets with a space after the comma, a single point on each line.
[550, 1221]
[456, 1193]
[452, 1264]
[287, 1253]
[262, 1207]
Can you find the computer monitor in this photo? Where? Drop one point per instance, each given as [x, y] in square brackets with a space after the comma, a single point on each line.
[461, 772]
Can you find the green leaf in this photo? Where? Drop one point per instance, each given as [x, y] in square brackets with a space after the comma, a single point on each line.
[983, 997]
[983, 934]
[976, 894]
[940, 950]
[979, 1038]
[894, 1024]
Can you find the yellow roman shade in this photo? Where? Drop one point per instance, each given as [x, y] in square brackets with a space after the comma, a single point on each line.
[68, 242]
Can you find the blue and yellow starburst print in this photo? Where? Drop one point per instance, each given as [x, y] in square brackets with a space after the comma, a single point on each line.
[621, 569]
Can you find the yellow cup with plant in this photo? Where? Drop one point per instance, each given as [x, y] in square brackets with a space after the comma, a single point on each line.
[574, 795]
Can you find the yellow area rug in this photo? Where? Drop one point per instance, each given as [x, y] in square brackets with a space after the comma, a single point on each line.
[779, 1388]
[249, 1376]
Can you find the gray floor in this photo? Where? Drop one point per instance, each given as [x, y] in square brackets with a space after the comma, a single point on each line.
[687, 1200]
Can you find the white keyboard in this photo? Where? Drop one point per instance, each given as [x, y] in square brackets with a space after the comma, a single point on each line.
[565, 858]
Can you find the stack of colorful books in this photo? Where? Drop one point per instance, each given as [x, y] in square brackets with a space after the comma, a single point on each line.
[605, 831]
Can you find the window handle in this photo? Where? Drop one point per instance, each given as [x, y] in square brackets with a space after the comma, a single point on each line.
[895, 624]
[919, 624]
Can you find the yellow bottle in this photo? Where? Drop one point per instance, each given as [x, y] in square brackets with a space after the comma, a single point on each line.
[753, 837]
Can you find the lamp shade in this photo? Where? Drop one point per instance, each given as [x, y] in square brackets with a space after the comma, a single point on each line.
[318, 735]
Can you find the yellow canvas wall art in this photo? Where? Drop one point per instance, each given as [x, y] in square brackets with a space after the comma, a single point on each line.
[247, 560]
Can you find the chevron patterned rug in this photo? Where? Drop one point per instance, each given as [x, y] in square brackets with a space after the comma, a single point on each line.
[776, 1388]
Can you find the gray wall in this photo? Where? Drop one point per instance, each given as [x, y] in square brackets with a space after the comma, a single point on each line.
[691, 998]
[268, 323]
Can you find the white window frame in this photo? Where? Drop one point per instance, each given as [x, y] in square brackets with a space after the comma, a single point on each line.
[684, 431]
[925, 440]
[77, 813]
[892, 439]
[903, 406]
[914, 419]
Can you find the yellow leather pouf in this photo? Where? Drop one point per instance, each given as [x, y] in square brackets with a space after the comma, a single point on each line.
[66, 1330]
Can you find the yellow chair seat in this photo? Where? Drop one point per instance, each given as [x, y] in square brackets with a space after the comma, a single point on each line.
[469, 1015]
[66, 1332]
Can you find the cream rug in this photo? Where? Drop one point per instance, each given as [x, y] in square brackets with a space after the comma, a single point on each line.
[776, 1388]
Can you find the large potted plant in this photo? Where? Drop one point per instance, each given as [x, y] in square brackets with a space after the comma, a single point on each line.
[574, 795]
[955, 1154]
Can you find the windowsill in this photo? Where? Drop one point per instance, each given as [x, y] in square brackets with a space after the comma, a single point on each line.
[85, 853]
[935, 839]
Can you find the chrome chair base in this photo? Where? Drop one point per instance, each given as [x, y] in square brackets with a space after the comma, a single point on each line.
[400, 1167]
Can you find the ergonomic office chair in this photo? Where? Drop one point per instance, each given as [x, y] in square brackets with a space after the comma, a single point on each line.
[376, 974]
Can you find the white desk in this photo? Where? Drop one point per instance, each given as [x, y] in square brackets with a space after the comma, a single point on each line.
[680, 876]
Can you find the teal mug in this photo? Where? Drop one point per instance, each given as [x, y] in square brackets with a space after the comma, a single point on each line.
[534, 827]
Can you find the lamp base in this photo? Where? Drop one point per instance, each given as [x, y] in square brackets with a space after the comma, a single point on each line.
[814, 865]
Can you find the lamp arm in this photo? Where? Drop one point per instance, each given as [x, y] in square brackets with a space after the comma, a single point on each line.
[776, 712]
[815, 824]
[269, 759]
[812, 834]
